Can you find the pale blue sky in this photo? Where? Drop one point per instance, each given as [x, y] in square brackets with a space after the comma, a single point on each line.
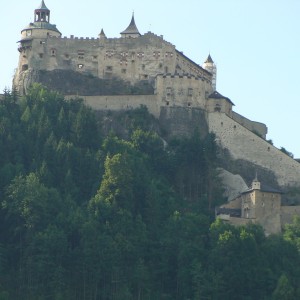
[255, 44]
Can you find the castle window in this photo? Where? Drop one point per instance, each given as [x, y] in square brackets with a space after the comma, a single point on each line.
[234, 126]
[123, 71]
[190, 92]
[67, 56]
[53, 52]
[145, 76]
[124, 54]
[160, 65]
[168, 103]
[169, 91]
[189, 104]
[41, 55]
[109, 68]
[156, 54]
[217, 108]
[80, 54]
[24, 67]
[109, 54]
[143, 67]
[95, 56]
[80, 66]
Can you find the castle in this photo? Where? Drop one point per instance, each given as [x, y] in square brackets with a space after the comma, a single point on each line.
[153, 73]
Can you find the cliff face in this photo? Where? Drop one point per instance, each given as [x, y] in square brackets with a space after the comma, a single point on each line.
[69, 82]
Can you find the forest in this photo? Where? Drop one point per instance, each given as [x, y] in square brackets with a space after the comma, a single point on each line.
[90, 215]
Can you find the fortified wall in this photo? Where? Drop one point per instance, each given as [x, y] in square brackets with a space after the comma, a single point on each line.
[244, 144]
[179, 87]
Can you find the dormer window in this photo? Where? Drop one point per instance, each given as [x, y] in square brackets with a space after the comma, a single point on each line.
[28, 32]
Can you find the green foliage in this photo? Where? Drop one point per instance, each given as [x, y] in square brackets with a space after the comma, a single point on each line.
[290, 154]
[292, 232]
[91, 217]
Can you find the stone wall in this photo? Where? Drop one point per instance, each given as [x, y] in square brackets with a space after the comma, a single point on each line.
[256, 127]
[182, 90]
[244, 144]
[121, 102]
[287, 214]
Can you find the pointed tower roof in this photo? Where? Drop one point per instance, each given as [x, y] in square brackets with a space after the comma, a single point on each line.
[131, 30]
[43, 6]
[102, 34]
[209, 59]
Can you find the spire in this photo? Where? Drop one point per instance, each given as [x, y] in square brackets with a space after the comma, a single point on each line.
[209, 59]
[102, 35]
[131, 31]
[255, 183]
[42, 13]
[43, 6]
[210, 66]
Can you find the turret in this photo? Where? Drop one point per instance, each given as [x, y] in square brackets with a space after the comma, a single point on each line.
[41, 27]
[32, 45]
[210, 66]
[102, 35]
[42, 13]
[131, 31]
[255, 184]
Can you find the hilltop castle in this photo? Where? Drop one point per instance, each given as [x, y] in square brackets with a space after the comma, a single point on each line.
[144, 69]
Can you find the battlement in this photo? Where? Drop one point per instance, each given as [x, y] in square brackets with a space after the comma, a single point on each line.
[72, 37]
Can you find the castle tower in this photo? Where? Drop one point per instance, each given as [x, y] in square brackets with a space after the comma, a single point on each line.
[210, 66]
[131, 31]
[32, 46]
[41, 27]
[102, 35]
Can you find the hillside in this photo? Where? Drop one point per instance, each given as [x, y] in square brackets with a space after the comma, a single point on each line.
[95, 211]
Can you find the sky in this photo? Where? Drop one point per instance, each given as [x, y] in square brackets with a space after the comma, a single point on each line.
[254, 43]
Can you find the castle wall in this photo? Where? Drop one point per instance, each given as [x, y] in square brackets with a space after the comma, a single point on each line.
[186, 91]
[240, 221]
[124, 102]
[287, 214]
[133, 59]
[243, 144]
[253, 126]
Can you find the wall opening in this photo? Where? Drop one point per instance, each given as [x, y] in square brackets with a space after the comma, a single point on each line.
[25, 67]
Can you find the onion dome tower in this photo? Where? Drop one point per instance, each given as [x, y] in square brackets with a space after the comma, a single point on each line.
[131, 31]
[210, 66]
[41, 27]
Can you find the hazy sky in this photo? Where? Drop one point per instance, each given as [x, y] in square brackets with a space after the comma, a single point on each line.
[255, 44]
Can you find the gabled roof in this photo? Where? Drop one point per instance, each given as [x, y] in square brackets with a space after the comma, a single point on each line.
[217, 95]
[43, 6]
[131, 29]
[264, 188]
